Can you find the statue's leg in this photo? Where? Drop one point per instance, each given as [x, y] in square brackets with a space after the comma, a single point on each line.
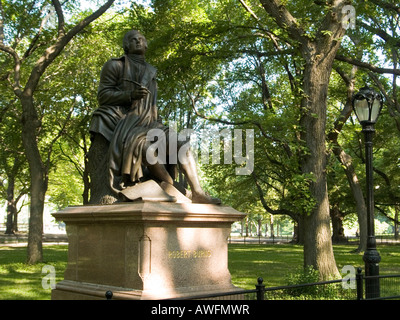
[160, 173]
[157, 170]
[188, 166]
[189, 169]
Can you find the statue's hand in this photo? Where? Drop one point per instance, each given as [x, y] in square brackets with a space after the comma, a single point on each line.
[139, 93]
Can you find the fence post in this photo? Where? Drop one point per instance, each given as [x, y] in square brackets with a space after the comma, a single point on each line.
[109, 295]
[260, 289]
[359, 282]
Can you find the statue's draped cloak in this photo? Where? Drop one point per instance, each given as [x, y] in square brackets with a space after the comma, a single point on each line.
[125, 122]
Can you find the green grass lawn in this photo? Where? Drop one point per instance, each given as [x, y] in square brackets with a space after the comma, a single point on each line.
[20, 281]
[273, 263]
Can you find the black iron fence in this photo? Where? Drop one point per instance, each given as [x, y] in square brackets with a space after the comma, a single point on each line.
[380, 239]
[359, 287]
[378, 287]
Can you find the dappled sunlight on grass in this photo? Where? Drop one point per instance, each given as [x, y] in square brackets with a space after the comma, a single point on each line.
[390, 255]
[20, 281]
[274, 262]
[271, 262]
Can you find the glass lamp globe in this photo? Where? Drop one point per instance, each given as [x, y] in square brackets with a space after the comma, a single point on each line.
[367, 105]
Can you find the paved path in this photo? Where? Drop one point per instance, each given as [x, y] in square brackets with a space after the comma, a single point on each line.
[21, 239]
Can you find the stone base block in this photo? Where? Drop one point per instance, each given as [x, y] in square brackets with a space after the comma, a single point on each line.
[146, 250]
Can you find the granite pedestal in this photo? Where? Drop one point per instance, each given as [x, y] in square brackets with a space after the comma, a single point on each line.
[146, 250]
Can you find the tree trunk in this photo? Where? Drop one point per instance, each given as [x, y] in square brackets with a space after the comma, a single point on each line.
[271, 225]
[12, 201]
[86, 188]
[356, 189]
[337, 225]
[86, 182]
[396, 222]
[15, 222]
[346, 160]
[318, 55]
[38, 178]
[301, 231]
[11, 213]
[30, 120]
[86, 170]
[11, 206]
[295, 238]
[318, 251]
[9, 222]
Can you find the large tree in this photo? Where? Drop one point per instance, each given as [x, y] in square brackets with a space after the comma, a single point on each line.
[317, 43]
[23, 35]
[373, 40]
[313, 39]
[13, 167]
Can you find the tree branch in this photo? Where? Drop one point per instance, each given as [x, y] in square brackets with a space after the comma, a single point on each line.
[383, 212]
[58, 135]
[17, 67]
[265, 204]
[60, 16]
[53, 51]
[386, 5]
[367, 66]
[393, 106]
[32, 46]
[1, 23]
[76, 163]
[248, 9]
[239, 123]
[381, 33]
[332, 21]
[284, 18]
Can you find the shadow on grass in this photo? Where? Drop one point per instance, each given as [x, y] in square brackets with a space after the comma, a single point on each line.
[21, 281]
[274, 263]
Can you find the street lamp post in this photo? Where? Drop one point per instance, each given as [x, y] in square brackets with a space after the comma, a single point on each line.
[367, 105]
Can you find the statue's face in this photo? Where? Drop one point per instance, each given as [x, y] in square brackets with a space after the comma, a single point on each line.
[136, 43]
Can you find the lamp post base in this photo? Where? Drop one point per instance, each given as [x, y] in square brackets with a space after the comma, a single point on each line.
[372, 287]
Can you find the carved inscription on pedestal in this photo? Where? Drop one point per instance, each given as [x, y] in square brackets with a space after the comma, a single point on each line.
[189, 254]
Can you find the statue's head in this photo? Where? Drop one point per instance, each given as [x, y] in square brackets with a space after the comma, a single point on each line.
[134, 42]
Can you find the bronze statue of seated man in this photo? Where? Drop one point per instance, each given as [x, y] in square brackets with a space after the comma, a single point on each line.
[119, 154]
